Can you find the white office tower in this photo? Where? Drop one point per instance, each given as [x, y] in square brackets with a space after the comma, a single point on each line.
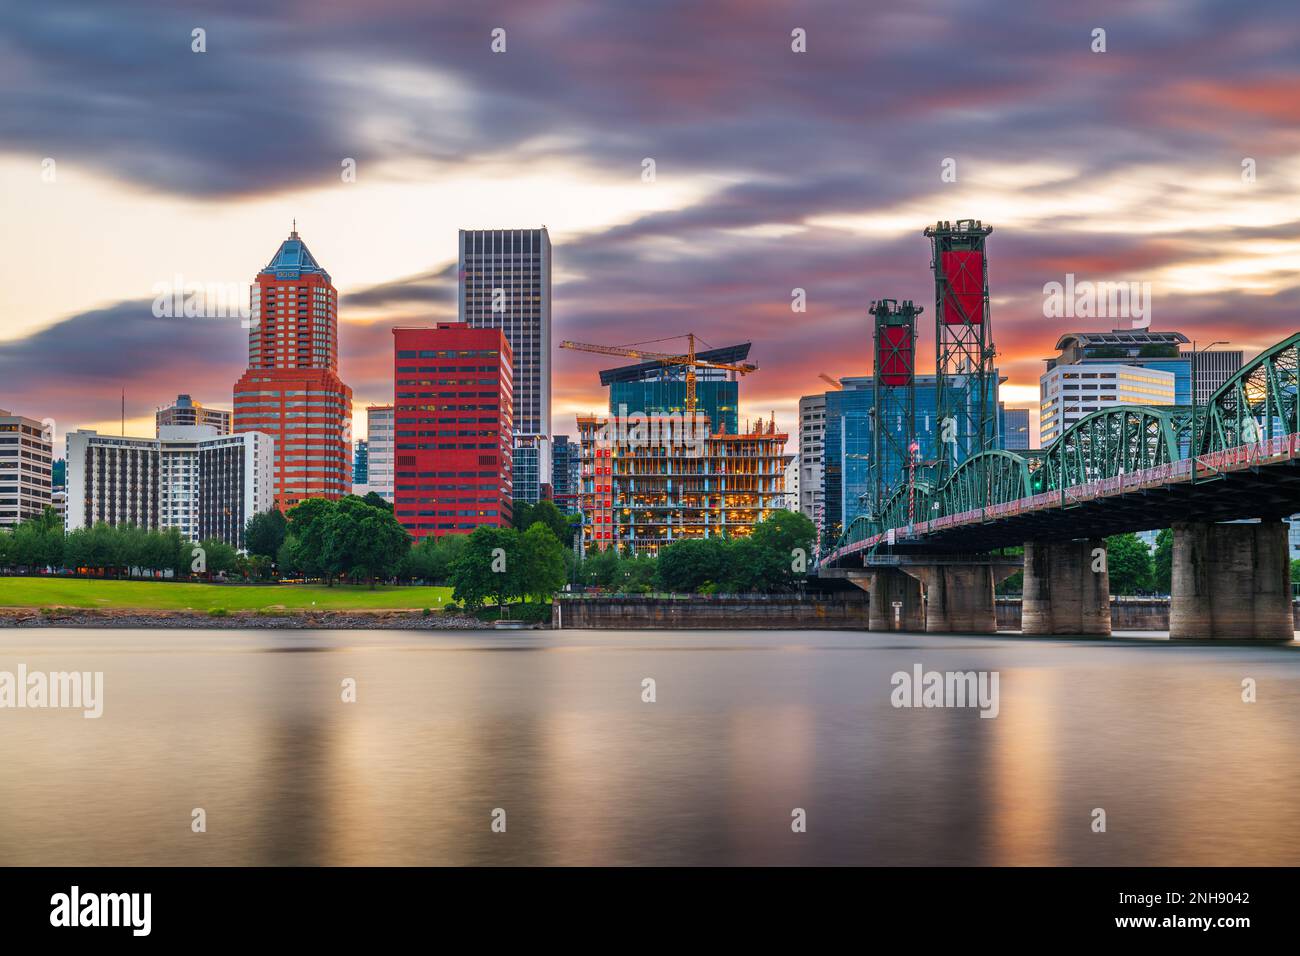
[192, 478]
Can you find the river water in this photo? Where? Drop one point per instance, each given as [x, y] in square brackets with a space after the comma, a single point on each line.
[551, 728]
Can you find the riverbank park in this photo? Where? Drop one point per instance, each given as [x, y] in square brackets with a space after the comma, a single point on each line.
[176, 596]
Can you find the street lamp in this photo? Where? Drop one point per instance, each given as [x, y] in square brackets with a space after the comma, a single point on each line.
[1196, 352]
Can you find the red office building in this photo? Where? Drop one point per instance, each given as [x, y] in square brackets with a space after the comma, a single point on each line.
[453, 402]
[292, 390]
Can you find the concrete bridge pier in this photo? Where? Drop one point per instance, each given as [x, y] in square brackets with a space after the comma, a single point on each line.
[1067, 588]
[1231, 582]
[884, 586]
[887, 587]
[959, 597]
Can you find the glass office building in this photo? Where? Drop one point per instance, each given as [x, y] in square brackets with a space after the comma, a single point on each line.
[717, 399]
[849, 483]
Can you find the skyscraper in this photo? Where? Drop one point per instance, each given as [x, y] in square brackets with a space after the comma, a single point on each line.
[505, 283]
[1014, 428]
[564, 473]
[452, 429]
[379, 437]
[1213, 368]
[26, 456]
[292, 390]
[812, 438]
[204, 484]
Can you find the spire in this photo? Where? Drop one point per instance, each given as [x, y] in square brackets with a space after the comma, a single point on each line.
[293, 259]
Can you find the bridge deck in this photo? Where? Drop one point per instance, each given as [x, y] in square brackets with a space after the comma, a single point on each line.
[1260, 480]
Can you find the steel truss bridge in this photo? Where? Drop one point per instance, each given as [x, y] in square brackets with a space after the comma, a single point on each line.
[1124, 468]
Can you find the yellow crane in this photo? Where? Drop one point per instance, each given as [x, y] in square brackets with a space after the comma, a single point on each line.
[688, 360]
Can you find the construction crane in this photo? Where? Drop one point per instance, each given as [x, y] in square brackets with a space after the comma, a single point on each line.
[689, 361]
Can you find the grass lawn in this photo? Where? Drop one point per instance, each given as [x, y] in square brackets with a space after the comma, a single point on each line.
[166, 596]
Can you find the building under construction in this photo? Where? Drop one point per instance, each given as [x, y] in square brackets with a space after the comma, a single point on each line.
[669, 462]
[639, 496]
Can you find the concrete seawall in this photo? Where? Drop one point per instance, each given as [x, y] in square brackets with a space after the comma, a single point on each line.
[1127, 614]
[761, 611]
[845, 610]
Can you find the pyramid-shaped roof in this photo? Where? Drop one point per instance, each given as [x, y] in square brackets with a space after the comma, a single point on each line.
[293, 260]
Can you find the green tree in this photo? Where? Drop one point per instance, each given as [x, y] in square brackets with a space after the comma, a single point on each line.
[362, 541]
[785, 542]
[786, 532]
[1163, 562]
[219, 557]
[308, 526]
[431, 559]
[38, 542]
[254, 567]
[521, 515]
[1128, 562]
[599, 569]
[752, 568]
[488, 567]
[692, 565]
[376, 500]
[266, 532]
[541, 557]
[545, 512]
[289, 559]
[636, 574]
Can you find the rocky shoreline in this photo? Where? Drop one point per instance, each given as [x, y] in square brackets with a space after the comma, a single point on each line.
[241, 620]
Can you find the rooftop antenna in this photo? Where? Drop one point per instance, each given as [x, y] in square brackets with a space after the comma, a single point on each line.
[123, 411]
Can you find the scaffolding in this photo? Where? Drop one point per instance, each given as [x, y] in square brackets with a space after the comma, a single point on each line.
[638, 496]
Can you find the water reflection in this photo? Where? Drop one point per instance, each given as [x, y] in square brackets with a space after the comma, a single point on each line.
[551, 728]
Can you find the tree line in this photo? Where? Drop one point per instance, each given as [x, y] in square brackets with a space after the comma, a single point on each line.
[359, 540]
[114, 551]
[773, 559]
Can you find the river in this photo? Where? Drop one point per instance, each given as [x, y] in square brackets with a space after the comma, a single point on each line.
[548, 735]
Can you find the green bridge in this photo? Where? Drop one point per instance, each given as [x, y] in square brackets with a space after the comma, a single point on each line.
[1124, 468]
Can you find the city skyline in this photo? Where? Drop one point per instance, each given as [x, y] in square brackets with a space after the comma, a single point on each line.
[771, 174]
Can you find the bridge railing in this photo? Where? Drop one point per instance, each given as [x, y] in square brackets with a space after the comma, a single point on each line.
[1280, 448]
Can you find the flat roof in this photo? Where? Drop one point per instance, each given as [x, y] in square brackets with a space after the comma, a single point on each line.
[1121, 337]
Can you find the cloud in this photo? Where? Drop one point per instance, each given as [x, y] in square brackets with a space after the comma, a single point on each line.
[825, 165]
[75, 371]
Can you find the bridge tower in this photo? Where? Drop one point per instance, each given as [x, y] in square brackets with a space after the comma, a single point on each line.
[893, 427]
[965, 381]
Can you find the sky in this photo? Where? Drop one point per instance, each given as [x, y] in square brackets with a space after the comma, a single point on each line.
[129, 160]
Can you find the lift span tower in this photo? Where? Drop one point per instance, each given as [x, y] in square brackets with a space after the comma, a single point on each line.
[965, 380]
